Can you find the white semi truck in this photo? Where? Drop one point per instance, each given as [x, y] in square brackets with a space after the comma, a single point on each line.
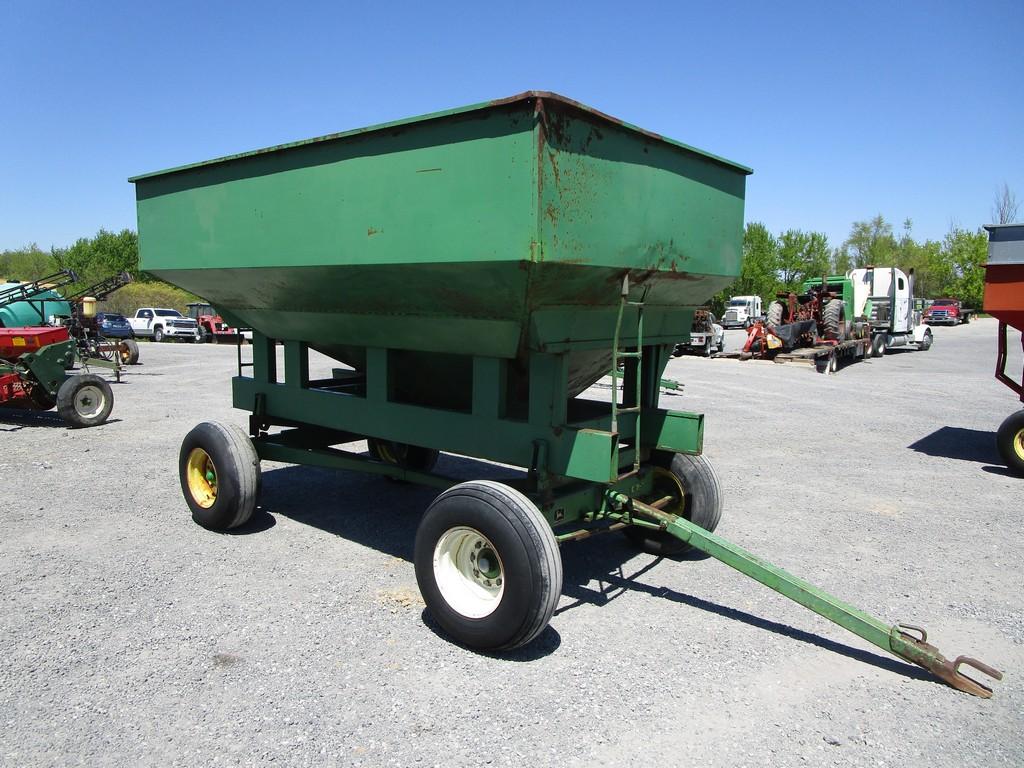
[885, 296]
[741, 311]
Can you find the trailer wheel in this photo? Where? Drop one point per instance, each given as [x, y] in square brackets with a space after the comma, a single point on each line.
[776, 311]
[402, 454]
[834, 320]
[1010, 441]
[695, 484]
[84, 400]
[128, 349]
[926, 342]
[219, 472]
[878, 345]
[487, 565]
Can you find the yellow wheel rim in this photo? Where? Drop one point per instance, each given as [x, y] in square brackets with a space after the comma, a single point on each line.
[667, 484]
[202, 478]
[1018, 444]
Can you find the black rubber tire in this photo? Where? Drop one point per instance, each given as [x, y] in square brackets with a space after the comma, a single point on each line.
[41, 399]
[776, 311]
[526, 547]
[158, 334]
[204, 335]
[128, 349]
[1010, 442]
[834, 320]
[702, 503]
[966, 320]
[237, 468]
[878, 345]
[709, 347]
[403, 455]
[926, 342]
[77, 412]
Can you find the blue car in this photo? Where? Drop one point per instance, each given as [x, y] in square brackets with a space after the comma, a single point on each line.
[113, 326]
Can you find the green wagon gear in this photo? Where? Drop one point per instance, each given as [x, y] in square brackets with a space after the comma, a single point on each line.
[476, 270]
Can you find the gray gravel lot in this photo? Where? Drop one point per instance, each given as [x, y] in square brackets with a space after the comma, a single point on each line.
[130, 636]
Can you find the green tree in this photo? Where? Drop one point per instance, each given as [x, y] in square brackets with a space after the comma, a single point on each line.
[99, 257]
[28, 263]
[758, 267]
[871, 243]
[966, 253]
[801, 255]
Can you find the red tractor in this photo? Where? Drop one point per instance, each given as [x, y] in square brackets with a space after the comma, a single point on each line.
[211, 325]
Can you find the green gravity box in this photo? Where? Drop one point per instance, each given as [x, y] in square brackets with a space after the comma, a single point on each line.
[492, 230]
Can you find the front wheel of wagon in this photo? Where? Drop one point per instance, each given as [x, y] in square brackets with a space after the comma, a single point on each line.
[488, 565]
[696, 494]
[220, 475]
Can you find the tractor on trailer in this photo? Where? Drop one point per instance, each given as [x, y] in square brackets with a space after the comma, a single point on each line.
[556, 244]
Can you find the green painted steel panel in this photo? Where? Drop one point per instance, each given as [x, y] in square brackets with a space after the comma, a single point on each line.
[490, 230]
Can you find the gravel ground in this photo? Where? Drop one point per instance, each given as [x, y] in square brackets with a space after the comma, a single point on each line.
[129, 636]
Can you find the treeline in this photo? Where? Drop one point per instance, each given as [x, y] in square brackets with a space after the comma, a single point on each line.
[94, 259]
[772, 264]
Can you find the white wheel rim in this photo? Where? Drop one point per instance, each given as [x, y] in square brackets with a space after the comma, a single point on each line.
[89, 401]
[468, 572]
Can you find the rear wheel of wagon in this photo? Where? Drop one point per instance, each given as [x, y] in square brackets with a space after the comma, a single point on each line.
[488, 565]
[403, 455]
[697, 497]
[219, 472]
[1010, 441]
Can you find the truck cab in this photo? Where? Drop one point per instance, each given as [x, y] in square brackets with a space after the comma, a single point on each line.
[885, 296]
[158, 323]
[741, 311]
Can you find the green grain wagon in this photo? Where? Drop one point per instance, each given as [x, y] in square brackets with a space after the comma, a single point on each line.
[475, 270]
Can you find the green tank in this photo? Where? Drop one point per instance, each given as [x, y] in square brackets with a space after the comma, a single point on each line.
[494, 230]
[35, 311]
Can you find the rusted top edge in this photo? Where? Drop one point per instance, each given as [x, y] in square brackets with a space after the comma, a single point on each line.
[525, 96]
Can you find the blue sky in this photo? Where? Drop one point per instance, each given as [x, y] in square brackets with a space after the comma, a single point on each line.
[912, 110]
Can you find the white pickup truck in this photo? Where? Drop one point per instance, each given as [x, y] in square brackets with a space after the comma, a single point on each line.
[159, 324]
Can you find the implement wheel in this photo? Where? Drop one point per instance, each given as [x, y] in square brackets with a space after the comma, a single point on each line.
[84, 400]
[487, 565]
[220, 475]
[697, 496]
[128, 350]
[403, 455]
[776, 311]
[1010, 442]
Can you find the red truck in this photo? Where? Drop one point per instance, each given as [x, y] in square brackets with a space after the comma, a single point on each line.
[947, 312]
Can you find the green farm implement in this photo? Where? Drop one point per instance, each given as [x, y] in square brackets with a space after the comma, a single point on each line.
[474, 272]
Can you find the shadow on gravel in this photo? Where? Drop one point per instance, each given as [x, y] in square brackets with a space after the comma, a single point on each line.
[997, 470]
[959, 443]
[370, 510]
[19, 419]
[547, 642]
[383, 515]
[608, 557]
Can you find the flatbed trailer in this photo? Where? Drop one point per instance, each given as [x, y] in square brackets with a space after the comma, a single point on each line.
[827, 358]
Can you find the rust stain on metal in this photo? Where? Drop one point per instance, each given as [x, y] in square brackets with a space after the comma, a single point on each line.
[370, 232]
